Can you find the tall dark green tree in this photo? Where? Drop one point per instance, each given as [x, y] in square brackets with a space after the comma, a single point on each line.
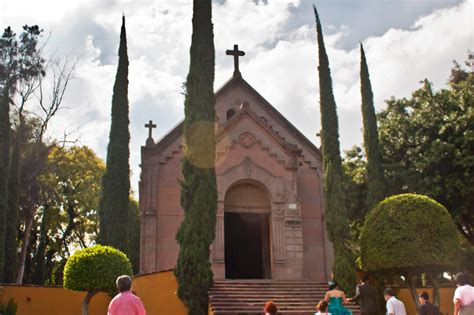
[375, 170]
[114, 202]
[20, 62]
[337, 223]
[198, 188]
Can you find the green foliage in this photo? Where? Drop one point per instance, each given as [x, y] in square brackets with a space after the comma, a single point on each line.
[96, 269]
[70, 186]
[355, 183]
[114, 204]
[355, 192]
[337, 223]
[4, 171]
[467, 257]
[408, 234]
[375, 172]
[428, 146]
[198, 188]
[9, 309]
[12, 215]
[20, 62]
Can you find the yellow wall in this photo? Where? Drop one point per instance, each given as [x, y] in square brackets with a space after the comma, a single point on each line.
[157, 291]
[446, 296]
[51, 300]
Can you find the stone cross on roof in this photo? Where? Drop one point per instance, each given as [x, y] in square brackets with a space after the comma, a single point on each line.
[236, 53]
[150, 127]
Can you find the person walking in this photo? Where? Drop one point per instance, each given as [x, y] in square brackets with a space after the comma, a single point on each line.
[426, 307]
[322, 308]
[125, 303]
[336, 298]
[366, 296]
[394, 306]
[270, 308]
[463, 296]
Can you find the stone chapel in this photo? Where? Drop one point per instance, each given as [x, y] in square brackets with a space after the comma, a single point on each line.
[270, 217]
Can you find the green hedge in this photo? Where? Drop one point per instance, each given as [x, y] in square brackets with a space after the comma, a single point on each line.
[96, 268]
[409, 232]
[9, 308]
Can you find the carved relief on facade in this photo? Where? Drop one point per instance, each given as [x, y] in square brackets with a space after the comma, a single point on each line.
[248, 167]
[247, 139]
[278, 211]
[248, 170]
[281, 196]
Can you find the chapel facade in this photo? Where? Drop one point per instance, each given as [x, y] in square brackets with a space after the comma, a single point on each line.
[270, 218]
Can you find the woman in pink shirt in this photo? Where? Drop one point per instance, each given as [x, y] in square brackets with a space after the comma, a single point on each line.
[125, 303]
[463, 296]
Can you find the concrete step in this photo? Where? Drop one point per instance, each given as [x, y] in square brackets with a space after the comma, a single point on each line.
[247, 297]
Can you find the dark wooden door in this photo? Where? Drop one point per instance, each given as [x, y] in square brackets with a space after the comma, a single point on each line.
[247, 248]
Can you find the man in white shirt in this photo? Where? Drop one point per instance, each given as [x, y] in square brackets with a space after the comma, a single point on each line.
[463, 296]
[394, 306]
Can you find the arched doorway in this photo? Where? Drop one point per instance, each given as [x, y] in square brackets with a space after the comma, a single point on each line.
[247, 232]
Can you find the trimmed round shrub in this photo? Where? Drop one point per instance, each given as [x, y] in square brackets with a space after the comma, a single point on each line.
[409, 232]
[96, 269]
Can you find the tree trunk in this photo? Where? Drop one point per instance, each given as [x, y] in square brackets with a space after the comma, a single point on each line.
[435, 284]
[39, 260]
[24, 247]
[410, 281]
[85, 302]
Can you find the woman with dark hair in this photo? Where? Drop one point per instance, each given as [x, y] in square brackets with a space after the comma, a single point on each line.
[336, 298]
[270, 308]
[463, 296]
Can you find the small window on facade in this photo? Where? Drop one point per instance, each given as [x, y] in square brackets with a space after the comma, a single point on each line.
[230, 113]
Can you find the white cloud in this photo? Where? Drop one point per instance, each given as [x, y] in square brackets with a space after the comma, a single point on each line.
[280, 60]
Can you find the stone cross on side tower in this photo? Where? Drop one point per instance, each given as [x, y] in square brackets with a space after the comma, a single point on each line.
[236, 53]
[150, 126]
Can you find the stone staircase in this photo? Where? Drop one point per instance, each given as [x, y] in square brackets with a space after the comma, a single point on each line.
[247, 297]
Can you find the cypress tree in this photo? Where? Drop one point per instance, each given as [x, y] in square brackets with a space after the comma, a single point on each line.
[337, 223]
[375, 171]
[198, 187]
[114, 202]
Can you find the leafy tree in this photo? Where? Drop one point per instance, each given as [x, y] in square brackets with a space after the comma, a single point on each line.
[198, 188]
[95, 269]
[354, 166]
[4, 171]
[406, 235]
[69, 196]
[114, 204]
[428, 146]
[34, 155]
[35, 147]
[20, 61]
[337, 222]
[375, 172]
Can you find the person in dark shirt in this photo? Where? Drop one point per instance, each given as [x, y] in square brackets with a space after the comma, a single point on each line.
[366, 296]
[426, 307]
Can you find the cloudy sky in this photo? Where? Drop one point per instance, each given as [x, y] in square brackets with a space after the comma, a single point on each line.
[405, 41]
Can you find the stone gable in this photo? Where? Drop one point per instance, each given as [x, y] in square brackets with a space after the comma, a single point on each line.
[267, 173]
